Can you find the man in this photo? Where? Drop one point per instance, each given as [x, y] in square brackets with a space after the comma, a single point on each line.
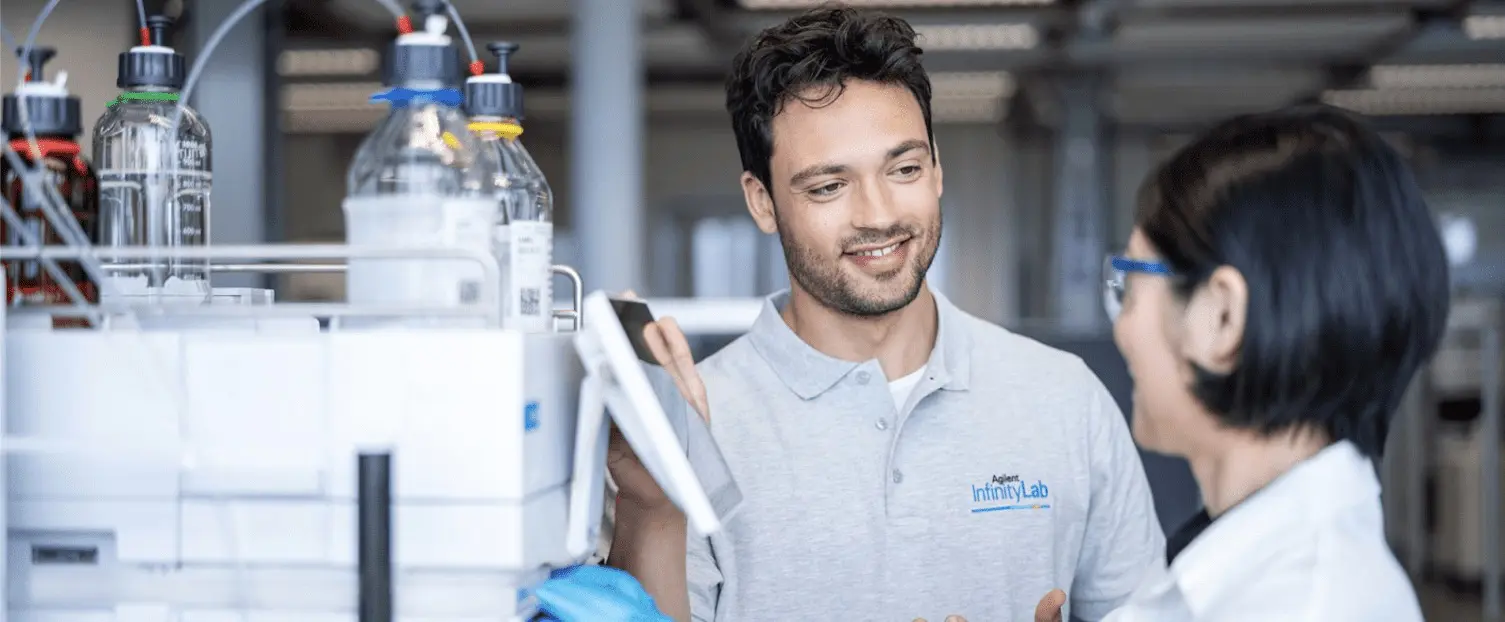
[899, 458]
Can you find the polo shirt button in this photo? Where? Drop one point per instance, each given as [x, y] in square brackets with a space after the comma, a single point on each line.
[882, 424]
[863, 377]
[898, 477]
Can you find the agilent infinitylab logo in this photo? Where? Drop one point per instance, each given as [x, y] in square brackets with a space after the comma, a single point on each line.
[530, 416]
[1010, 492]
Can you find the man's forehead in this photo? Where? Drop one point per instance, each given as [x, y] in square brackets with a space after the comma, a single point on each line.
[864, 117]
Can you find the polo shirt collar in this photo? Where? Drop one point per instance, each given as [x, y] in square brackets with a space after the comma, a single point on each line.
[809, 372]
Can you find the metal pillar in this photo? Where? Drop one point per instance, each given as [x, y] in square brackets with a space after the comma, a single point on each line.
[1030, 170]
[232, 97]
[606, 144]
[1133, 160]
[977, 265]
[1403, 470]
[1079, 222]
[1490, 424]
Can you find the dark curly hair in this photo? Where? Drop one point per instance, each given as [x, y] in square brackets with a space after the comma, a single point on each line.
[820, 50]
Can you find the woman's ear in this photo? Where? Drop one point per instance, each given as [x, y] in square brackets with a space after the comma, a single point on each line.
[1215, 320]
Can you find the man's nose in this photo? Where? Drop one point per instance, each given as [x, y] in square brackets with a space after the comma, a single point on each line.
[875, 206]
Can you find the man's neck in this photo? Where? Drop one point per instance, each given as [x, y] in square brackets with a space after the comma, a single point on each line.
[1244, 465]
[901, 340]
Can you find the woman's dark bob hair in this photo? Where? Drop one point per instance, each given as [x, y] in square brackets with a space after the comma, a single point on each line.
[1348, 281]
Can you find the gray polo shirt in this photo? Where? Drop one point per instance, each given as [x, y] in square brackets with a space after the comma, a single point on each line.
[1009, 472]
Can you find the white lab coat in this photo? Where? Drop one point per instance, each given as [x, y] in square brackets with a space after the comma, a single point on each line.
[1309, 547]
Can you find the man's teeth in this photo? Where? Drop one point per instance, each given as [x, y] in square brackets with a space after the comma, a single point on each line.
[880, 252]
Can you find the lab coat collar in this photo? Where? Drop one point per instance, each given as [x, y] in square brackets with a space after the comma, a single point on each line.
[1337, 479]
[810, 373]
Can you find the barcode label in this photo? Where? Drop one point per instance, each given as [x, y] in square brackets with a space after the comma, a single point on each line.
[528, 305]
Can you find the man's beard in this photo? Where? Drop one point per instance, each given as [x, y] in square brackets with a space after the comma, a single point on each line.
[830, 285]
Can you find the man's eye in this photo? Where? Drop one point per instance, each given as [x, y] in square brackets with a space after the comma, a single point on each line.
[909, 170]
[826, 190]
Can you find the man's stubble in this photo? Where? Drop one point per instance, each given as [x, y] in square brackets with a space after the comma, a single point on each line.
[829, 285]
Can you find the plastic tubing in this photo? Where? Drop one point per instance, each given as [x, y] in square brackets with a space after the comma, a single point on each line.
[141, 21]
[476, 66]
[204, 53]
[219, 34]
[393, 8]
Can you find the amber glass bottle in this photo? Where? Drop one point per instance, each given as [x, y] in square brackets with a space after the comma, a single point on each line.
[54, 123]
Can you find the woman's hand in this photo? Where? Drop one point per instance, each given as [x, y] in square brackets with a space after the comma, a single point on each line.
[1049, 609]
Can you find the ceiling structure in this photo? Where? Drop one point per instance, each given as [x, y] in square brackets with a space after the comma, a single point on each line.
[1161, 63]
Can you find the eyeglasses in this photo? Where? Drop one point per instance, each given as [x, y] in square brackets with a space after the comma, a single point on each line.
[1115, 269]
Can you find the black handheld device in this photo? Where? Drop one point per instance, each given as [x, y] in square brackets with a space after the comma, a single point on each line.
[635, 316]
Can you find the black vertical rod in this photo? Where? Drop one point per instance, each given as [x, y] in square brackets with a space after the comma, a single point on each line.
[374, 523]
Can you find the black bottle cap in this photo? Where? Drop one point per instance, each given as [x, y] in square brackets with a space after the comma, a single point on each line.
[495, 99]
[422, 62]
[165, 68]
[50, 115]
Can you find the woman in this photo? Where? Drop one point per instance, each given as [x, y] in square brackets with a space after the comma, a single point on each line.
[1283, 284]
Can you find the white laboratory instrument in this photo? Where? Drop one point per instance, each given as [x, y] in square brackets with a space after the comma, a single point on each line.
[202, 471]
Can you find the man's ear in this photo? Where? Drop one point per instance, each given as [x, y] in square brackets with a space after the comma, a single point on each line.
[759, 203]
[1215, 320]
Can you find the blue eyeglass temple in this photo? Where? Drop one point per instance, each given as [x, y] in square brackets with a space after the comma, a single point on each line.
[1124, 264]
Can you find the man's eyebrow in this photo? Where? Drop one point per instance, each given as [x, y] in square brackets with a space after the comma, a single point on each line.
[811, 172]
[907, 146]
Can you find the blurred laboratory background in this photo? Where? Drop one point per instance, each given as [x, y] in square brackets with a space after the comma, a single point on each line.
[1048, 113]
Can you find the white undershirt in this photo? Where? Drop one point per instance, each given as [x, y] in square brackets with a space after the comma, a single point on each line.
[904, 387]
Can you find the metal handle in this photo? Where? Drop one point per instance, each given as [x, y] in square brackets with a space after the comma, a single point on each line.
[261, 268]
[488, 307]
[278, 268]
[574, 314]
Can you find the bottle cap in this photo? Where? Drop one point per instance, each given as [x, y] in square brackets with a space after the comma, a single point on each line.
[155, 64]
[425, 55]
[495, 94]
[49, 107]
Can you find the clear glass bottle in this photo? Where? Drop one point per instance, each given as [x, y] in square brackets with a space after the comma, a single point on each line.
[420, 179]
[154, 182]
[525, 239]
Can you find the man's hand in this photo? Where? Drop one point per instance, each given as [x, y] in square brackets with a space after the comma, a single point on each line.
[649, 537]
[634, 484]
[1049, 609]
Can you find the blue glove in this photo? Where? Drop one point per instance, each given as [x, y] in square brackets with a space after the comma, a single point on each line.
[596, 594]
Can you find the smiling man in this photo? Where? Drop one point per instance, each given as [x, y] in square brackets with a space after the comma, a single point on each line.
[898, 457]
